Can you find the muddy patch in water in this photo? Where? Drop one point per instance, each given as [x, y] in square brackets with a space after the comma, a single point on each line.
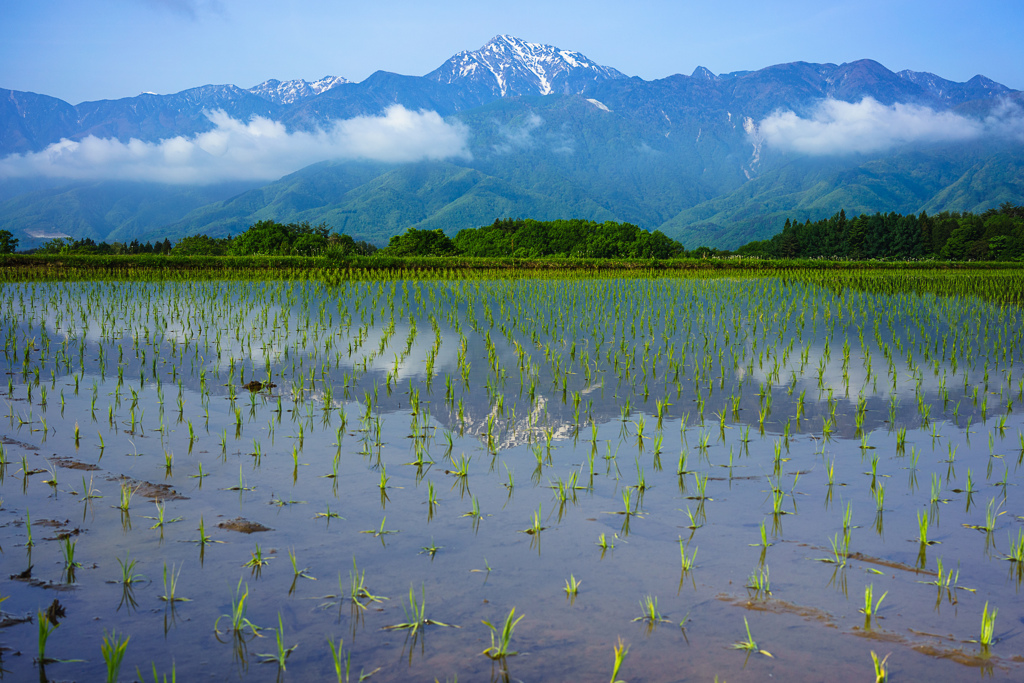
[243, 525]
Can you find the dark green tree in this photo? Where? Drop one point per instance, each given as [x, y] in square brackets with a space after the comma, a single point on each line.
[8, 242]
[415, 242]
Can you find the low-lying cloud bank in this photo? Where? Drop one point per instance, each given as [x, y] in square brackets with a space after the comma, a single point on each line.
[837, 127]
[258, 150]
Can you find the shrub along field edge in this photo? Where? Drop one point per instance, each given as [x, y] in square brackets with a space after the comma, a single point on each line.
[228, 264]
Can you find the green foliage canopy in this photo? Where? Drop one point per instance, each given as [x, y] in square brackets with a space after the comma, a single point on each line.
[569, 238]
[997, 234]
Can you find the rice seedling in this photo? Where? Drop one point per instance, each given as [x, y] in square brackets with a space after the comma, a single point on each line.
[343, 664]
[840, 551]
[358, 590]
[992, 513]
[416, 616]
[283, 652]
[381, 532]
[649, 613]
[764, 543]
[51, 481]
[113, 650]
[922, 527]
[431, 500]
[431, 549]
[572, 587]
[1016, 553]
[296, 572]
[881, 669]
[88, 492]
[621, 650]
[535, 528]
[67, 549]
[988, 626]
[328, 514]
[203, 539]
[760, 582]
[257, 562]
[750, 645]
[474, 512]
[238, 623]
[701, 484]
[171, 586]
[46, 629]
[128, 575]
[870, 608]
[241, 486]
[501, 640]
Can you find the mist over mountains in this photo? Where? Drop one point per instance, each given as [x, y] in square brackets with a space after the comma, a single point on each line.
[514, 129]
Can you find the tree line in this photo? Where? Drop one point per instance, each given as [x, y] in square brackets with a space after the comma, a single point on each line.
[995, 235]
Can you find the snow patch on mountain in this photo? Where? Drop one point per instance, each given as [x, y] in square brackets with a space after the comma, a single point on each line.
[290, 92]
[599, 105]
[509, 67]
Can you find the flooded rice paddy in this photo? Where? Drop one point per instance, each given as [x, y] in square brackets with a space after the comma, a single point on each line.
[537, 479]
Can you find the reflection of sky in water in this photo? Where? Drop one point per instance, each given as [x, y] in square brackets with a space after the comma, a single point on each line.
[634, 335]
[221, 477]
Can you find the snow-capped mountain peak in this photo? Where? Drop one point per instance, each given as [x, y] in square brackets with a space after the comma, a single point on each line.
[289, 92]
[509, 66]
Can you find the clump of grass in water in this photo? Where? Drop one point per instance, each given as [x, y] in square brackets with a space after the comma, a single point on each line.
[870, 608]
[750, 645]
[113, 649]
[171, 586]
[239, 622]
[988, 626]
[160, 521]
[536, 527]
[416, 616]
[688, 563]
[67, 548]
[649, 613]
[358, 590]
[991, 514]
[343, 664]
[299, 573]
[760, 582]
[128, 575]
[283, 652]
[48, 623]
[501, 640]
[621, 650]
[257, 562]
[881, 670]
[922, 526]
[381, 532]
[572, 587]
[1016, 548]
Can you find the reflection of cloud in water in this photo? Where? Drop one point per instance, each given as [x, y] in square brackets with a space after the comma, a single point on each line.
[879, 385]
[415, 363]
[249, 334]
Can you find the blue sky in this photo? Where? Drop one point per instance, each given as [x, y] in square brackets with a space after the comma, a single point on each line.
[103, 49]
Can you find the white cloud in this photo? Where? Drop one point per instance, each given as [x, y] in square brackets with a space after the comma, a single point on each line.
[837, 127]
[518, 134]
[259, 150]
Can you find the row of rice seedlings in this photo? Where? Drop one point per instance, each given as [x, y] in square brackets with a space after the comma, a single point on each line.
[556, 372]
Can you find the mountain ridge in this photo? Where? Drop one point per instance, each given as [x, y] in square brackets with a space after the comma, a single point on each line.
[550, 133]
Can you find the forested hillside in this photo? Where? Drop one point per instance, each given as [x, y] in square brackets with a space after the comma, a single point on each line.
[995, 235]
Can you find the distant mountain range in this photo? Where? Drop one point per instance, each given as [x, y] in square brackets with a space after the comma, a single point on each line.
[545, 133]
